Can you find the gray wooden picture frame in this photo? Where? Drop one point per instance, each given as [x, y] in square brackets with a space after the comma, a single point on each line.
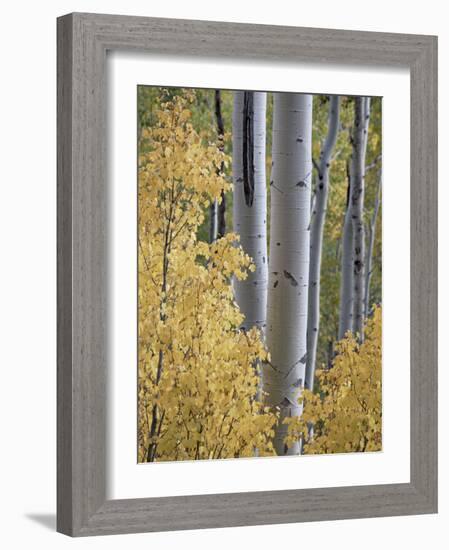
[83, 40]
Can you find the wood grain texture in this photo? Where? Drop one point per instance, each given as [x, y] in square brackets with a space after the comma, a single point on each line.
[83, 40]
[64, 276]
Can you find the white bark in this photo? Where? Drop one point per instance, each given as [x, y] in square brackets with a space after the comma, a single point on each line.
[286, 336]
[359, 144]
[347, 276]
[250, 202]
[213, 213]
[316, 239]
[369, 253]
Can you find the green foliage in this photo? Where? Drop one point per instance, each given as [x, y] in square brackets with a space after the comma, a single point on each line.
[331, 254]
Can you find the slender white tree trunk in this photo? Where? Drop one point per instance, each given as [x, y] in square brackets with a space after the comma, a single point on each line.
[316, 239]
[286, 337]
[347, 275]
[359, 144]
[250, 202]
[220, 208]
[213, 214]
[369, 253]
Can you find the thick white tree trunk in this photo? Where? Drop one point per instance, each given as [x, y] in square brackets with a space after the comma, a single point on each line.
[359, 144]
[286, 336]
[316, 239]
[250, 202]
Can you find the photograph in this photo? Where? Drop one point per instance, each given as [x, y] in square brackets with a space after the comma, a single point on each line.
[259, 274]
[221, 251]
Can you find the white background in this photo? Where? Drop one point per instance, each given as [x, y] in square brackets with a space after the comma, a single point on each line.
[130, 480]
[27, 286]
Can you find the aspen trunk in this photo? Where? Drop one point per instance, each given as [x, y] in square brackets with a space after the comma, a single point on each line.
[250, 202]
[347, 275]
[316, 239]
[286, 337]
[359, 144]
[369, 253]
[221, 217]
[213, 214]
[220, 208]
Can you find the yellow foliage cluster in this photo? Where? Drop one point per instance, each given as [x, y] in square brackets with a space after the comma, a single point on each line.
[346, 415]
[197, 375]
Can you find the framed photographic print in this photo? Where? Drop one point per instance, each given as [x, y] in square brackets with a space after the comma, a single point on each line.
[247, 280]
